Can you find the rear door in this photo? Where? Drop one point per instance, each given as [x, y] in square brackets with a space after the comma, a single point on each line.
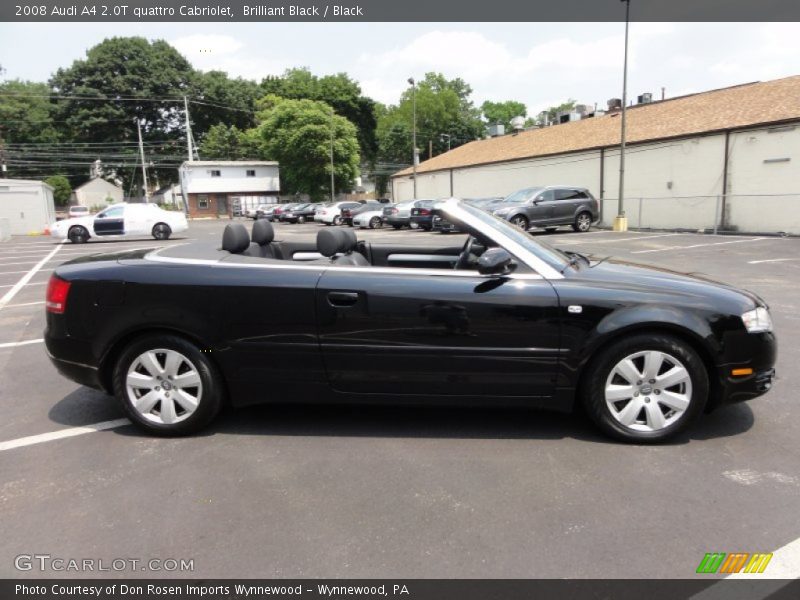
[110, 221]
[446, 333]
[567, 203]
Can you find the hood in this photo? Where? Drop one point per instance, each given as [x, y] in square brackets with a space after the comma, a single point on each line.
[658, 281]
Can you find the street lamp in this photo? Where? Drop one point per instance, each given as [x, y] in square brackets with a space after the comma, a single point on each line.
[414, 132]
[621, 221]
[442, 137]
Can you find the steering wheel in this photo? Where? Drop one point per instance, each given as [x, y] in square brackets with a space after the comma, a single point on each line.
[466, 252]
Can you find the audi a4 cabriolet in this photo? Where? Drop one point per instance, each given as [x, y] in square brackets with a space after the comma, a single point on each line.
[176, 332]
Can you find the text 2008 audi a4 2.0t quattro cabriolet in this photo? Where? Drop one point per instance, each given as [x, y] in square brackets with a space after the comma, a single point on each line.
[174, 333]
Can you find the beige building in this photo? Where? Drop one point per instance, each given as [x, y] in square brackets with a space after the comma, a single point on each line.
[730, 155]
[96, 192]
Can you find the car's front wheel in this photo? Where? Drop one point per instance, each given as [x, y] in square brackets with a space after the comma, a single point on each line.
[78, 235]
[583, 222]
[375, 223]
[167, 386]
[646, 388]
[161, 231]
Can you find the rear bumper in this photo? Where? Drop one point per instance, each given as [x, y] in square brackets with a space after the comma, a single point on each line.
[424, 221]
[392, 221]
[73, 368]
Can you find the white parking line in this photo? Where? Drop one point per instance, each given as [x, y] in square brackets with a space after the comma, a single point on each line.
[25, 343]
[15, 285]
[667, 248]
[758, 262]
[17, 272]
[9, 295]
[25, 304]
[629, 239]
[61, 434]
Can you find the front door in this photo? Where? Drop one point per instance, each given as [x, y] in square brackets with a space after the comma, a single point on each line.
[222, 205]
[411, 331]
[110, 221]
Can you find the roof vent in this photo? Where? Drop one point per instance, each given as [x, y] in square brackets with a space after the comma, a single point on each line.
[615, 104]
[518, 123]
[645, 98]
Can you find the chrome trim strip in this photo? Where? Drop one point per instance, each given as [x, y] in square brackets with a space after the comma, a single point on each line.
[154, 257]
[69, 362]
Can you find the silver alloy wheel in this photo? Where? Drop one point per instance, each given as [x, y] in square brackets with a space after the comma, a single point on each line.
[375, 223]
[584, 222]
[164, 386]
[520, 222]
[648, 391]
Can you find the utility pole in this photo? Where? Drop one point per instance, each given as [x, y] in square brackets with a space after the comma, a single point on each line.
[188, 130]
[621, 222]
[3, 168]
[414, 134]
[144, 167]
[332, 176]
[430, 149]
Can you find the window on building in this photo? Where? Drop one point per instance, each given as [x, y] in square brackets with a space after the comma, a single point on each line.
[251, 172]
[215, 173]
[202, 202]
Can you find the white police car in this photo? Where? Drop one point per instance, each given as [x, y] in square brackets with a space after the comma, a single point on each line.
[122, 220]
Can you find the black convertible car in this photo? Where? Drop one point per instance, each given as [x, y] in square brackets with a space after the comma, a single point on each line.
[176, 332]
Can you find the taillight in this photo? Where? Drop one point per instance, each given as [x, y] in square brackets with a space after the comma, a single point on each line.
[424, 211]
[57, 292]
[395, 211]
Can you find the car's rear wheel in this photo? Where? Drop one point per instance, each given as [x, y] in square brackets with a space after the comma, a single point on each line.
[337, 220]
[167, 386]
[646, 388]
[375, 223]
[583, 222]
[78, 234]
[520, 221]
[161, 231]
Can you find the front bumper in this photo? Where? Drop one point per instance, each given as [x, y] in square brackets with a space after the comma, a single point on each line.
[756, 351]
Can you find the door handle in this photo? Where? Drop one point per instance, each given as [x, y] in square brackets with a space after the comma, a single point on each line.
[342, 298]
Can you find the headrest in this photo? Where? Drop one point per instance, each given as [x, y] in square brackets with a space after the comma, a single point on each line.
[350, 239]
[263, 233]
[330, 241]
[235, 238]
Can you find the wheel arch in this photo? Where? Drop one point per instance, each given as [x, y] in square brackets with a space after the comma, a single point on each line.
[681, 331]
[118, 345]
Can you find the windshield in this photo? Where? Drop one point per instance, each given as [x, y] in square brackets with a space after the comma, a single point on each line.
[521, 196]
[543, 250]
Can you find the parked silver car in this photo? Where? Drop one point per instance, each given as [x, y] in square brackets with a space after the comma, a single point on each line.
[550, 207]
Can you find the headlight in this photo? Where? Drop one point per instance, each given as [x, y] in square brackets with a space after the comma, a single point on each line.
[757, 320]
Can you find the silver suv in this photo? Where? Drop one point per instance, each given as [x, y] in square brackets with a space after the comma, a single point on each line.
[549, 207]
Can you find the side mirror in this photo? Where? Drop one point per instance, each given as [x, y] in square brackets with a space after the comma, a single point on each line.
[496, 261]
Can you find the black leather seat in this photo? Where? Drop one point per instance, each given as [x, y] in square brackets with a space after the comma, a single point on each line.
[338, 247]
[235, 238]
[262, 246]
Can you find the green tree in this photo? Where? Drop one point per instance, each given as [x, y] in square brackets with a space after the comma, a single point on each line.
[223, 142]
[136, 80]
[297, 133]
[503, 112]
[339, 91]
[218, 98]
[26, 113]
[62, 190]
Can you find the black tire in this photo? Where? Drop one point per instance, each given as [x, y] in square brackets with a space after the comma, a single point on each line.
[161, 231]
[78, 234]
[337, 220]
[520, 221]
[583, 222]
[375, 223]
[210, 398]
[600, 369]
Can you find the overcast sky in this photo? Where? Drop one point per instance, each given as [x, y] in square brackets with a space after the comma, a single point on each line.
[540, 64]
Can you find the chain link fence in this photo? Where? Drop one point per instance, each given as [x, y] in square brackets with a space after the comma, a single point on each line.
[761, 214]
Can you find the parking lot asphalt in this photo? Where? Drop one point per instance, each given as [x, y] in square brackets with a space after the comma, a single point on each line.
[332, 491]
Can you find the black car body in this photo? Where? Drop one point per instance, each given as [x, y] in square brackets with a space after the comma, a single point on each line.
[299, 213]
[503, 319]
[350, 212]
[550, 207]
[421, 216]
